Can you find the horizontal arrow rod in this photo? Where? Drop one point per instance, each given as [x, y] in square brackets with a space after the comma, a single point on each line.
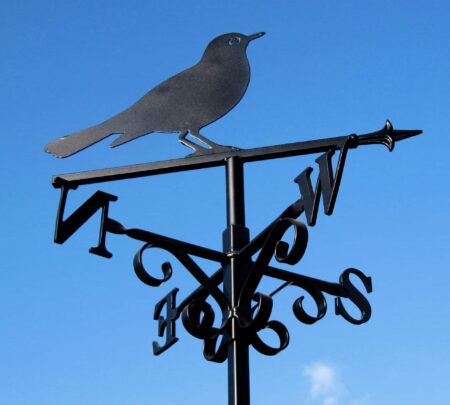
[150, 237]
[74, 180]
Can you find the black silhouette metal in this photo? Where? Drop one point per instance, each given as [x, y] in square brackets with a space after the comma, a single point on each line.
[185, 103]
[244, 310]
[387, 136]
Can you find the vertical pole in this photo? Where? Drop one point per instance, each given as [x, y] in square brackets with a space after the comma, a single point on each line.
[235, 237]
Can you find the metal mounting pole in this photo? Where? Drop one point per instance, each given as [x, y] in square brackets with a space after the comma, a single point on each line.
[235, 237]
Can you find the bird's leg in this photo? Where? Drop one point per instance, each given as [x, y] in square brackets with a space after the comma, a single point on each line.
[215, 147]
[196, 148]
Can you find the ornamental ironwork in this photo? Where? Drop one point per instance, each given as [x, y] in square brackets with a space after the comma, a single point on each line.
[213, 87]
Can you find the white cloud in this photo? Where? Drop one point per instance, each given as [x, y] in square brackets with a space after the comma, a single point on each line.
[324, 384]
[330, 400]
[327, 388]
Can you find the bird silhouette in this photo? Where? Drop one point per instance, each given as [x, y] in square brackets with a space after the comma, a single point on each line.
[185, 103]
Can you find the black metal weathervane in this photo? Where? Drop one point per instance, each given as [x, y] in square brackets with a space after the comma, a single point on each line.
[184, 104]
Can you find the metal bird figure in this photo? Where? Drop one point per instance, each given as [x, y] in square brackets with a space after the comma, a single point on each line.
[185, 103]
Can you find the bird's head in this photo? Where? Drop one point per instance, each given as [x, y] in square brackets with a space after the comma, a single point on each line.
[228, 45]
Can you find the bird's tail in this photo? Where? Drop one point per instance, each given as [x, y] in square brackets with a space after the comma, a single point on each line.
[73, 143]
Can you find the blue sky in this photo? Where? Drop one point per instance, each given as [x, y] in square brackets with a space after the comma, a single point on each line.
[77, 328]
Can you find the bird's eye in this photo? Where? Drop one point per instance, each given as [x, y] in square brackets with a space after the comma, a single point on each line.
[234, 40]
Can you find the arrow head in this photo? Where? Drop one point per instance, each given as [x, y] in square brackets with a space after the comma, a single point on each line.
[387, 136]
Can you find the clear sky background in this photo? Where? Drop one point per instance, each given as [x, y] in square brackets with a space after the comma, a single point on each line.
[77, 329]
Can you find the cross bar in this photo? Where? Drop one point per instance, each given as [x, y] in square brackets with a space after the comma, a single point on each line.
[387, 136]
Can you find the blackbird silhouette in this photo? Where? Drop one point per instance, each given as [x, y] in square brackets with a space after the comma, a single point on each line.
[185, 103]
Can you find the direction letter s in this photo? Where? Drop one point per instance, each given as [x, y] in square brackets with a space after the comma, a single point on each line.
[355, 296]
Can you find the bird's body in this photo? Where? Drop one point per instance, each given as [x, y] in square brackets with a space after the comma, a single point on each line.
[185, 103]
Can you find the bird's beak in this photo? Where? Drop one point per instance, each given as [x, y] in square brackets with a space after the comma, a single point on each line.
[255, 36]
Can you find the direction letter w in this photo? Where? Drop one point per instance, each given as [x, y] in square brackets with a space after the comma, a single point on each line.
[327, 185]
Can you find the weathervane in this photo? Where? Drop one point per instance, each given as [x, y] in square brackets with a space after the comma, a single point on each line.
[184, 104]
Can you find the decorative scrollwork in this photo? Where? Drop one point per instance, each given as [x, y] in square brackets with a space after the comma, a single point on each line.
[261, 321]
[261, 312]
[283, 336]
[283, 252]
[318, 298]
[186, 261]
[276, 247]
[198, 319]
[144, 276]
[213, 353]
[197, 315]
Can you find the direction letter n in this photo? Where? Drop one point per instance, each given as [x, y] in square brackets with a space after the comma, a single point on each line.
[65, 228]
